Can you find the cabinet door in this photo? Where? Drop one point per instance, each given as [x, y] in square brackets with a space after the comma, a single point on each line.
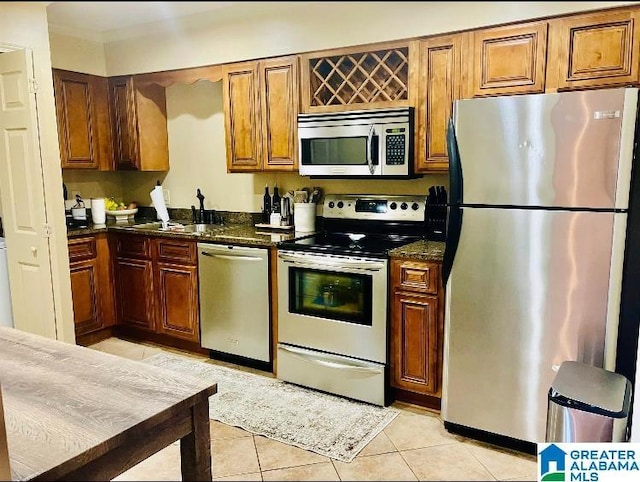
[508, 60]
[75, 107]
[150, 118]
[599, 49]
[177, 298]
[85, 294]
[279, 112]
[123, 125]
[440, 80]
[134, 282]
[242, 117]
[414, 343]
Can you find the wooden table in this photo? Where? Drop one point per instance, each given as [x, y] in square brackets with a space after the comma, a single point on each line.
[75, 413]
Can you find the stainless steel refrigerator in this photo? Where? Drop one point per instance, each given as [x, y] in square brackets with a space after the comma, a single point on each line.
[537, 223]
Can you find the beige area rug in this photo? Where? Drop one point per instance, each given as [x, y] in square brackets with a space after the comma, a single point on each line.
[325, 424]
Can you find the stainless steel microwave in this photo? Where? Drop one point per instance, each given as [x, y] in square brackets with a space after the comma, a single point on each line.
[358, 144]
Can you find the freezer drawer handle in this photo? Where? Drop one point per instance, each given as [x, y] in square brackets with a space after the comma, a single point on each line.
[328, 364]
[302, 259]
[231, 257]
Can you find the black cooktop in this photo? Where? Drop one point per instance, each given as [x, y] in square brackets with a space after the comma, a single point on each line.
[364, 225]
[350, 244]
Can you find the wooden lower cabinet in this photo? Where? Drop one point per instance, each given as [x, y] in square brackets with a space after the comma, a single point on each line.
[177, 293]
[135, 293]
[157, 283]
[417, 325]
[91, 284]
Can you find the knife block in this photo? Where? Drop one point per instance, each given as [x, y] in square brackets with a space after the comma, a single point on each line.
[435, 220]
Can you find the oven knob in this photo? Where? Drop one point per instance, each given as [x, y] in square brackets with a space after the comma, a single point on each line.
[415, 206]
[403, 206]
[340, 204]
[331, 204]
[393, 205]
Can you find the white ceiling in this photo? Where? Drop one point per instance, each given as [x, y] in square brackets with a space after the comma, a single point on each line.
[101, 17]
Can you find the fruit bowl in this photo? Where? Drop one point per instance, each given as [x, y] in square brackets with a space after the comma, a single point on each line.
[122, 215]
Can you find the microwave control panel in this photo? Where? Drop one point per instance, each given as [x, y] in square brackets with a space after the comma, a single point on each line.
[395, 146]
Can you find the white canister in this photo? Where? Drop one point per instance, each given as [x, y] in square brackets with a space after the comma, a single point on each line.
[98, 214]
[304, 217]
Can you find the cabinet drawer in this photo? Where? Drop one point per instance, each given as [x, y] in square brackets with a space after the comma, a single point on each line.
[134, 246]
[82, 248]
[176, 251]
[416, 276]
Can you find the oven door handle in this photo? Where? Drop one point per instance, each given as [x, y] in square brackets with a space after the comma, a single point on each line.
[343, 263]
[329, 364]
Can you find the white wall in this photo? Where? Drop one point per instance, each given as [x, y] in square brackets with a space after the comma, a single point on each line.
[250, 30]
[80, 56]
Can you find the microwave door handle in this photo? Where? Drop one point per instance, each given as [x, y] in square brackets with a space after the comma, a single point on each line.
[369, 144]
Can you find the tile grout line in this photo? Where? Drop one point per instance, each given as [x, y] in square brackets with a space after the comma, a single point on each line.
[480, 462]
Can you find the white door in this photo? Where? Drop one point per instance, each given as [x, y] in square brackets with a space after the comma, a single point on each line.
[22, 193]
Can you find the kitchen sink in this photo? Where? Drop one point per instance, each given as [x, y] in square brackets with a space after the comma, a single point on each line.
[179, 228]
[153, 226]
[202, 228]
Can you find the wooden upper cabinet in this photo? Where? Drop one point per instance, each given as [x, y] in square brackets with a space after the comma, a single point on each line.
[242, 118]
[439, 86]
[139, 124]
[82, 112]
[507, 60]
[279, 109]
[369, 77]
[593, 50]
[261, 110]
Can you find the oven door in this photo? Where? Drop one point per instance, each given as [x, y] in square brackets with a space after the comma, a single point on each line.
[335, 304]
[345, 150]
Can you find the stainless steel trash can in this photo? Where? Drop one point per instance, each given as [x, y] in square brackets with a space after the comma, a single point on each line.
[588, 404]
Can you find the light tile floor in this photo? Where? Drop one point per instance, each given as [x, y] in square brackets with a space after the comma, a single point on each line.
[414, 446]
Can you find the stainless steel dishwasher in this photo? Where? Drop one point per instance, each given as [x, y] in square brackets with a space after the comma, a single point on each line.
[234, 300]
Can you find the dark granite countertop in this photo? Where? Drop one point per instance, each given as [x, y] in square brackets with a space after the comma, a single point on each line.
[422, 250]
[238, 234]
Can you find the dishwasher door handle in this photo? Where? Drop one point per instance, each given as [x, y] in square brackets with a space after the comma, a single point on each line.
[232, 257]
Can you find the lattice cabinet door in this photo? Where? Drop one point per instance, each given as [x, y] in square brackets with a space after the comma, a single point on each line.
[356, 78]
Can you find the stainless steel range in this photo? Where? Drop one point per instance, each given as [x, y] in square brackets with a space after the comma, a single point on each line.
[332, 295]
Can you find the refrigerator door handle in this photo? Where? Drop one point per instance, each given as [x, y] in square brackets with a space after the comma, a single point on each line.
[454, 218]
[455, 167]
[454, 225]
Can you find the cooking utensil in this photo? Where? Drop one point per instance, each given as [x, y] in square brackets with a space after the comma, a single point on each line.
[315, 195]
[300, 196]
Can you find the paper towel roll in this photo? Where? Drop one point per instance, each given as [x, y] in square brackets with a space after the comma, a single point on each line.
[161, 209]
[98, 214]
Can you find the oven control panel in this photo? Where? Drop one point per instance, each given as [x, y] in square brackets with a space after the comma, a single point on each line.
[374, 207]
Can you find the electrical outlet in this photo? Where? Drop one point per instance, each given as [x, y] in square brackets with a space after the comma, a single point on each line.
[166, 196]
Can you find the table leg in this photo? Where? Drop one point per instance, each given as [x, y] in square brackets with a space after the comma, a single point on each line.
[195, 448]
